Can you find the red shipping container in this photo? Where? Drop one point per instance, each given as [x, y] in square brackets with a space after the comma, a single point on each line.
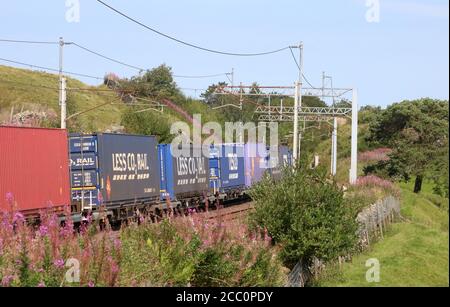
[34, 169]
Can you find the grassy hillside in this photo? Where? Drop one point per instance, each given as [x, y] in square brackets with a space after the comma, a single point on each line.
[31, 90]
[23, 89]
[413, 253]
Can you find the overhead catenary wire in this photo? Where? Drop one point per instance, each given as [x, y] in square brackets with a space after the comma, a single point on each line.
[202, 77]
[27, 42]
[298, 66]
[187, 43]
[107, 58]
[141, 69]
[51, 69]
[70, 89]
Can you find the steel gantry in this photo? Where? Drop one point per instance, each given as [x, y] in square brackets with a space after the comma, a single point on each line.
[283, 113]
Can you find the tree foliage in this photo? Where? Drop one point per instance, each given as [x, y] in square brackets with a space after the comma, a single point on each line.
[154, 83]
[147, 123]
[417, 131]
[307, 215]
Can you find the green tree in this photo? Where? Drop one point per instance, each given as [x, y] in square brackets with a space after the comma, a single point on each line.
[155, 83]
[417, 131]
[147, 123]
[210, 97]
[306, 215]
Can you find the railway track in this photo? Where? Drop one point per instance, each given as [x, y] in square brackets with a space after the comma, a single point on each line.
[235, 212]
[232, 211]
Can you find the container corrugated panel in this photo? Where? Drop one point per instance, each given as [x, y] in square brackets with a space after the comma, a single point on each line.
[256, 163]
[183, 176]
[34, 168]
[128, 167]
[232, 169]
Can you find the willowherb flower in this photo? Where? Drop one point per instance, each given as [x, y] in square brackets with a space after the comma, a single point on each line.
[41, 285]
[59, 263]
[114, 267]
[18, 217]
[91, 284]
[117, 244]
[6, 280]
[43, 230]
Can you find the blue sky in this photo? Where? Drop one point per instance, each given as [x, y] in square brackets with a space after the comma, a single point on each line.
[404, 56]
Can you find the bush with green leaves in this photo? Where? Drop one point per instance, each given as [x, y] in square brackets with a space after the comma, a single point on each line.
[306, 215]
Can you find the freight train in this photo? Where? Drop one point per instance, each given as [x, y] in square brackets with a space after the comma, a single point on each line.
[125, 175]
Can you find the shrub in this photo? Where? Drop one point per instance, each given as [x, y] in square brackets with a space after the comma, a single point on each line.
[306, 215]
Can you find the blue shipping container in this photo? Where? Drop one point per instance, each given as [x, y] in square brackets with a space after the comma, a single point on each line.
[84, 169]
[232, 169]
[257, 162]
[184, 176]
[82, 143]
[114, 168]
[214, 168]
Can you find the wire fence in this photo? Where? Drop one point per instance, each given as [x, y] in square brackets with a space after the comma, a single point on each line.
[373, 220]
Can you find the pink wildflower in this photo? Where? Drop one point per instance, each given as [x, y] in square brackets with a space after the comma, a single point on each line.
[91, 284]
[18, 217]
[41, 285]
[117, 244]
[114, 267]
[43, 230]
[6, 281]
[59, 263]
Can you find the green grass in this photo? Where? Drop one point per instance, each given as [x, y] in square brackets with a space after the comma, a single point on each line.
[413, 253]
[24, 89]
